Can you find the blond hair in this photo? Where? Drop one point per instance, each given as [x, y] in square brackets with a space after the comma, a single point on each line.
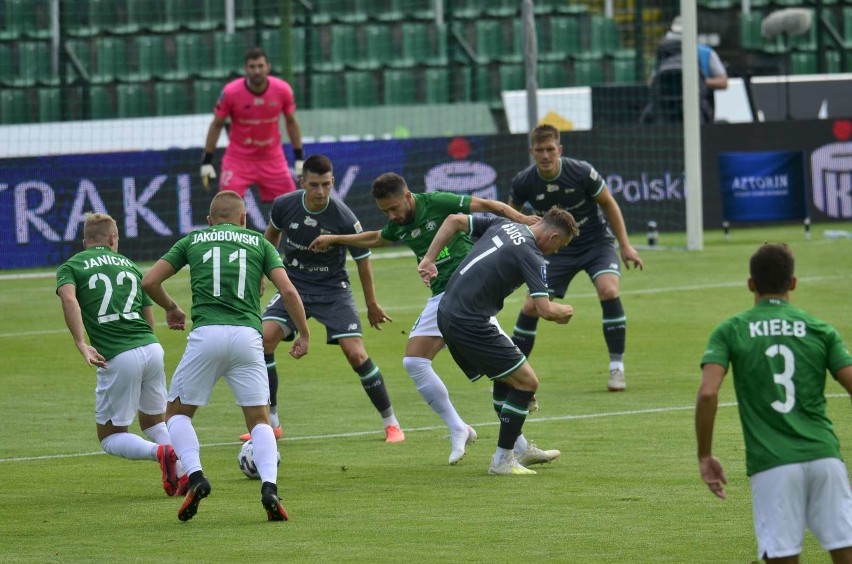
[227, 207]
[98, 228]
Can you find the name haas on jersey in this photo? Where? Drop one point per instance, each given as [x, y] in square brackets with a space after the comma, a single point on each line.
[513, 232]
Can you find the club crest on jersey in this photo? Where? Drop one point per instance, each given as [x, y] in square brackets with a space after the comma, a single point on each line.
[258, 101]
[430, 225]
[310, 222]
[416, 233]
[552, 188]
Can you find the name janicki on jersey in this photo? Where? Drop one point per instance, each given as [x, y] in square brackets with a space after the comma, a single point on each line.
[103, 260]
[777, 328]
[215, 236]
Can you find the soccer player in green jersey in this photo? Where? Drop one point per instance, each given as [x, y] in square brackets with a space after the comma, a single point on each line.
[413, 219]
[226, 262]
[780, 355]
[101, 297]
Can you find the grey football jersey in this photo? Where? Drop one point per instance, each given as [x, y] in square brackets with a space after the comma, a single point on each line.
[310, 272]
[504, 257]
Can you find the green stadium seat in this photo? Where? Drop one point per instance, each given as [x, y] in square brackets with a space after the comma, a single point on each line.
[417, 46]
[243, 14]
[588, 73]
[81, 49]
[552, 75]
[832, 61]
[750, 38]
[605, 39]
[171, 99]
[379, 48]
[269, 12]
[400, 87]
[565, 40]
[482, 86]
[491, 44]
[7, 67]
[716, 4]
[361, 90]
[34, 66]
[205, 94]
[297, 49]
[25, 19]
[134, 16]
[229, 52]
[469, 9]
[344, 48]
[502, 8]
[49, 108]
[110, 60]
[14, 106]
[176, 14]
[132, 100]
[847, 26]
[624, 71]
[326, 91]
[203, 15]
[270, 40]
[352, 11]
[153, 61]
[406, 10]
[191, 56]
[803, 62]
[100, 104]
[436, 86]
[511, 77]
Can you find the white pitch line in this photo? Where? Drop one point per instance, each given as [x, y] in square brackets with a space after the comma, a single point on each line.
[647, 411]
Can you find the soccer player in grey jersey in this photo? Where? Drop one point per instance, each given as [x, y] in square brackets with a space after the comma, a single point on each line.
[102, 297]
[780, 355]
[575, 186]
[505, 255]
[321, 278]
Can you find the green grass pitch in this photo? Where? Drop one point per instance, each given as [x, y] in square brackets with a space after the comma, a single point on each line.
[626, 488]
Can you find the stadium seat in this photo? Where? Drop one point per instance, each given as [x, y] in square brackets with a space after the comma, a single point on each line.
[502, 8]
[100, 105]
[25, 19]
[171, 99]
[205, 93]
[588, 73]
[436, 86]
[49, 105]
[402, 10]
[203, 15]
[269, 12]
[361, 89]
[110, 60]
[624, 71]
[176, 16]
[511, 77]
[344, 46]
[490, 43]
[34, 66]
[803, 63]
[469, 9]
[352, 11]
[750, 38]
[191, 56]
[416, 46]
[82, 51]
[14, 106]
[832, 61]
[229, 51]
[400, 87]
[131, 14]
[153, 61]
[565, 40]
[132, 101]
[7, 67]
[552, 75]
[606, 40]
[326, 91]
[379, 48]
[482, 86]
[243, 14]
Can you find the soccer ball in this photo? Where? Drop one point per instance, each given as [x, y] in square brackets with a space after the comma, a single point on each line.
[246, 460]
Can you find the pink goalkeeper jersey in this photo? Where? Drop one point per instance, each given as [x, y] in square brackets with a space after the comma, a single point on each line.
[255, 132]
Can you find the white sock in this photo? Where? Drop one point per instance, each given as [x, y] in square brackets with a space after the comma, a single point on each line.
[521, 444]
[185, 442]
[129, 446]
[273, 418]
[265, 452]
[433, 391]
[500, 455]
[389, 418]
[159, 434]
[616, 365]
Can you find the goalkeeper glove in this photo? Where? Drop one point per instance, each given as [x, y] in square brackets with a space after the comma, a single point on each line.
[207, 170]
[299, 162]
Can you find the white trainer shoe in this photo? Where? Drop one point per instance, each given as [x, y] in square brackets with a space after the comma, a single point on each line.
[534, 455]
[509, 467]
[616, 380]
[459, 443]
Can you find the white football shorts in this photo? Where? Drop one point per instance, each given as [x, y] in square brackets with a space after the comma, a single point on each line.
[787, 498]
[427, 324]
[133, 381]
[232, 352]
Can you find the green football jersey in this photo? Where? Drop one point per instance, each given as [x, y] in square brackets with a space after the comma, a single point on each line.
[226, 263]
[109, 291]
[430, 211]
[780, 355]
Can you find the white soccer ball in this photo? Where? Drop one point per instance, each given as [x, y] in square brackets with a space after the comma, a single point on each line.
[246, 460]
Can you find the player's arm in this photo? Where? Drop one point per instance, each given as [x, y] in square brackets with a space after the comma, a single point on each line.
[207, 170]
[364, 240]
[74, 320]
[844, 376]
[375, 313]
[503, 210]
[616, 223]
[273, 235]
[294, 132]
[452, 225]
[295, 308]
[152, 283]
[706, 404]
[552, 311]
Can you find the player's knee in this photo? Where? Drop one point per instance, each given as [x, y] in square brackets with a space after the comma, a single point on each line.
[416, 366]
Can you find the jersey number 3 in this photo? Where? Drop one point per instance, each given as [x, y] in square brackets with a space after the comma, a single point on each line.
[784, 378]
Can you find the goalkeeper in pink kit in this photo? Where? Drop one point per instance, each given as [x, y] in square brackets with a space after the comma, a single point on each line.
[254, 154]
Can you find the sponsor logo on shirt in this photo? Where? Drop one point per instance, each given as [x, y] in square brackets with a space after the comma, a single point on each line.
[416, 233]
[353, 327]
[294, 225]
[258, 101]
[310, 222]
[552, 188]
[568, 190]
[613, 265]
[430, 225]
